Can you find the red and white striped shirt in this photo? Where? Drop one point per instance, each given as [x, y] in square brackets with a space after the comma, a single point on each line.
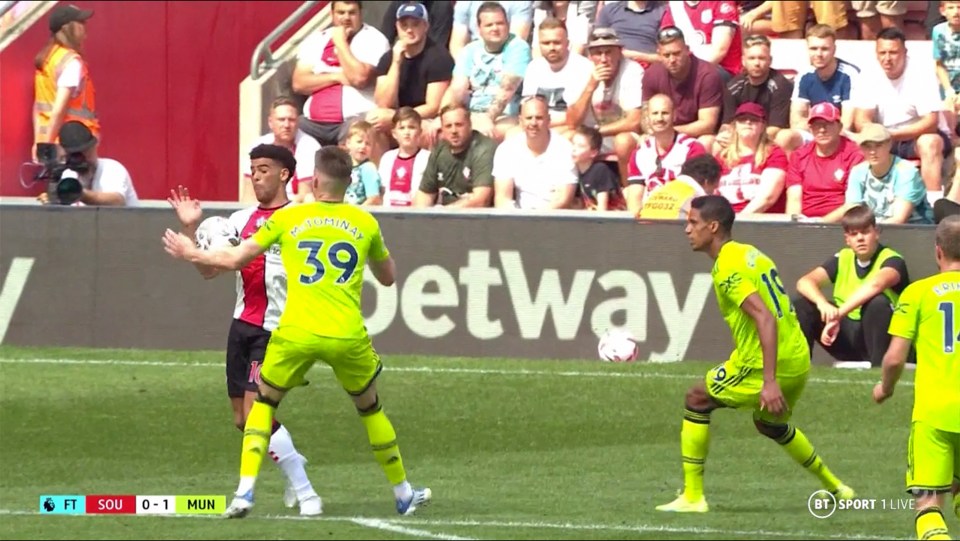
[647, 166]
[262, 283]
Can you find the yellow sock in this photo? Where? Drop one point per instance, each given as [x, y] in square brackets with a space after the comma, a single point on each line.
[796, 444]
[383, 441]
[256, 438]
[930, 524]
[694, 441]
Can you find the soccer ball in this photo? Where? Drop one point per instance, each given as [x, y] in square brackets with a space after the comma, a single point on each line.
[216, 232]
[617, 346]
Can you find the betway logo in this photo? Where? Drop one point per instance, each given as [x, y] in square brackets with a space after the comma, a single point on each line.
[626, 292]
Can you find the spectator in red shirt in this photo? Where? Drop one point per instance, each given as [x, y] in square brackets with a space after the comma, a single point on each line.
[754, 169]
[712, 30]
[818, 171]
[694, 86]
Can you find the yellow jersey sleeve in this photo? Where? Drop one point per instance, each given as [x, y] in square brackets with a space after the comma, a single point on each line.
[271, 230]
[733, 277]
[906, 315]
[378, 248]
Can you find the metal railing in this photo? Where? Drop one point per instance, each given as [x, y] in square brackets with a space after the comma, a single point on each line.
[263, 59]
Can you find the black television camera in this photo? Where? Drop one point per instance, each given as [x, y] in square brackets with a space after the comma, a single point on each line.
[61, 190]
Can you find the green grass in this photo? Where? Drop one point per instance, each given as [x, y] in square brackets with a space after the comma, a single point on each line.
[512, 450]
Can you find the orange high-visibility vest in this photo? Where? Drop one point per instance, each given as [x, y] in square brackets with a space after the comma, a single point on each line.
[81, 106]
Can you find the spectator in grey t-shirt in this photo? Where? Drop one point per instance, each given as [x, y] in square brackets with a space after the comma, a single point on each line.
[637, 24]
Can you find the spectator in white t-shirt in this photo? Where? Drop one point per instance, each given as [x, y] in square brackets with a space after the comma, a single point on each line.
[105, 182]
[336, 68]
[534, 170]
[904, 97]
[284, 132]
[558, 74]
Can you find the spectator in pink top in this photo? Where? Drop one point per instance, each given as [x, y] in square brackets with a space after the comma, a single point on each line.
[818, 171]
[754, 169]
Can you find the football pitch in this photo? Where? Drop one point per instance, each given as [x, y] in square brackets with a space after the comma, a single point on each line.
[512, 449]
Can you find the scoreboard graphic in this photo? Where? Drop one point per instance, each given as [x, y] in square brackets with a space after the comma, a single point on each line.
[132, 505]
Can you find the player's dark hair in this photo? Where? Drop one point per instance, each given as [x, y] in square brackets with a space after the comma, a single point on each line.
[715, 208]
[948, 237]
[277, 153]
[491, 6]
[334, 163]
[592, 135]
[858, 218]
[703, 168]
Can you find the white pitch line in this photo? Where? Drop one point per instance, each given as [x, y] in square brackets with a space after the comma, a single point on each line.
[413, 532]
[637, 528]
[639, 374]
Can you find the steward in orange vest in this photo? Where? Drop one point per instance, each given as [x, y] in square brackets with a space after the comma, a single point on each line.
[63, 52]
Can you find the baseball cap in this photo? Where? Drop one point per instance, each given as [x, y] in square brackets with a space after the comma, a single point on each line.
[873, 133]
[751, 109]
[413, 9]
[64, 14]
[604, 37]
[825, 111]
[76, 137]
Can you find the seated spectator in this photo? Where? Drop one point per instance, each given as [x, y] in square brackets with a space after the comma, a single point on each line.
[946, 53]
[636, 22]
[829, 79]
[576, 25]
[949, 205]
[459, 170]
[712, 30]
[761, 84]
[534, 170]
[790, 18]
[63, 88]
[284, 132]
[867, 278]
[105, 182]
[818, 172]
[611, 99]
[699, 175]
[598, 186]
[754, 169]
[905, 98]
[336, 68]
[693, 85]
[658, 158]
[874, 16]
[557, 74]
[755, 17]
[488, 73]
[401, 169]
[439, 13]
[365, 187]
[415, 73]
[889, 185]
[466, 22]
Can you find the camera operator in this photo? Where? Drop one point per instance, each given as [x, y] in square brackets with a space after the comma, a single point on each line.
[104, 181]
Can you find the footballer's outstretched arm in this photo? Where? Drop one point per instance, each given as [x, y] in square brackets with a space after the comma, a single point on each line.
[180, 246]
[385, 271]
[893, 361]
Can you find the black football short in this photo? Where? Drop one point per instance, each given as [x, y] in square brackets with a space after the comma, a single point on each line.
[246, 346]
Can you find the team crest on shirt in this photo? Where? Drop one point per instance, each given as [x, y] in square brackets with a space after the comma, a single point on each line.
[401, 172]
[726, 8]
[260, 221]
[466, 173]
[706, 16]
[838, 175]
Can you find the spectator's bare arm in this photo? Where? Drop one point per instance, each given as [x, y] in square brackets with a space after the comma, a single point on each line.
[504, 190]
[705, 123]
[577, 111]
[306, 82]
[629, 123]
[563, 197]
[771, 187]
[358, 74]
[478, 198]
[721, 40]
[794, 200]
[459, 37]
[925, 124]
[91, 197]
[58, 113]
[637, 56]
[901, 209]
[458, 91]
[508, 89]
[387, 91]
[799, 114]
[860, 117]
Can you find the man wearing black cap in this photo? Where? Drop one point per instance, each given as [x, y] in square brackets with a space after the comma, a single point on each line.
[63, 90]
[105, 181]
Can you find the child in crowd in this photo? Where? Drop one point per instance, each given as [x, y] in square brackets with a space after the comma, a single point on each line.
[402, 168]
[599, 184]
[365, 188]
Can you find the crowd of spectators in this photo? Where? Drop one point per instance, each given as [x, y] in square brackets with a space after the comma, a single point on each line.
[598, 105]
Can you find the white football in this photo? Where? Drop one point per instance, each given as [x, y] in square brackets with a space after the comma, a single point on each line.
[617, 346]
[216, 232]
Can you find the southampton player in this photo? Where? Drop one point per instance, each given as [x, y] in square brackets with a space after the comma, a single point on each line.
[324, 247]
[927, 317]
[767, 371]
[261, 293]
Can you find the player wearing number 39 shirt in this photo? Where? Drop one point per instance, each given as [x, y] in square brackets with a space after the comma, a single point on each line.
[261, 295]
[768, 369]
[324, 247]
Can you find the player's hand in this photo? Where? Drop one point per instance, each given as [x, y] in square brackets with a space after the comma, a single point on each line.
[830, 332]
[177, 245]
[771, 399]
[188, 210]
[879, 394]
[828, 312]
